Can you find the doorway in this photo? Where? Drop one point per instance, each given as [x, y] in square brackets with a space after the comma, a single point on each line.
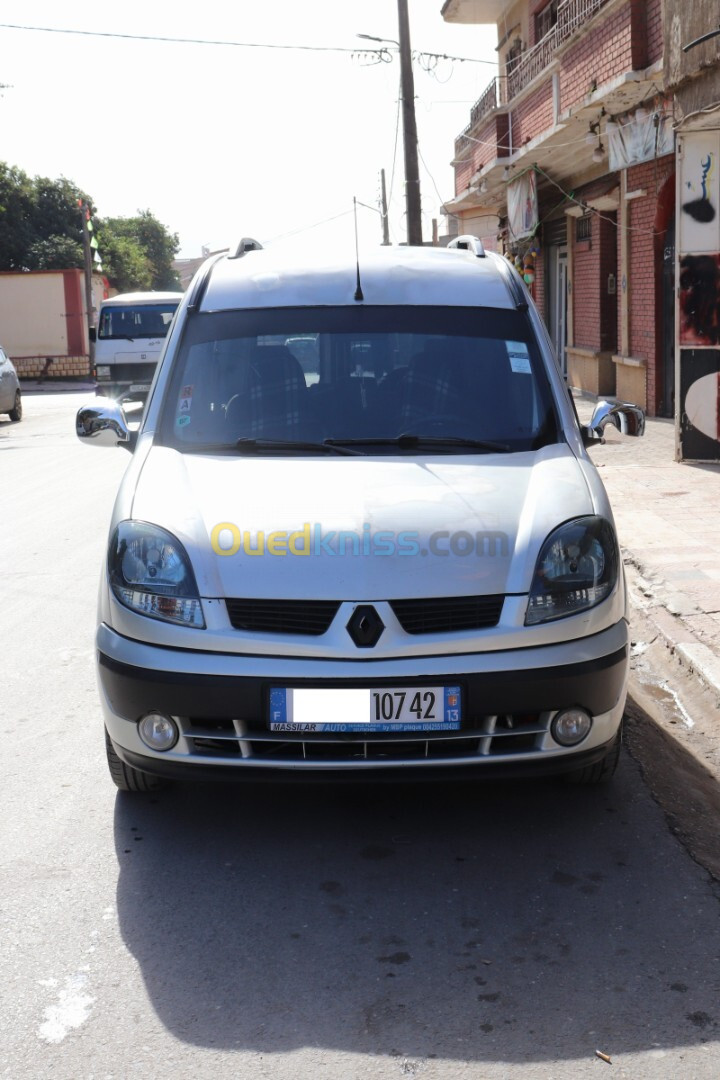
[557, 302]
[667, 351]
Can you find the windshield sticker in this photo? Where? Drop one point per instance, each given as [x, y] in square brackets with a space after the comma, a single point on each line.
[519, 357]
[183, 421]
[185, 402]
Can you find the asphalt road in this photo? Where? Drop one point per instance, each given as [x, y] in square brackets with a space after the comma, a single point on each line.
[433, 931]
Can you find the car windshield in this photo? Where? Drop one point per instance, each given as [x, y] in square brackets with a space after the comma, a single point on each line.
[384, 380]
[136, 321]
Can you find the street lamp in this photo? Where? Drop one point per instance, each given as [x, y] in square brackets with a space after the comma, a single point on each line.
[410, 139]
[382, 40]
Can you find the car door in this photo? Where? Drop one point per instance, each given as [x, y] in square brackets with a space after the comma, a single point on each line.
[7, 397]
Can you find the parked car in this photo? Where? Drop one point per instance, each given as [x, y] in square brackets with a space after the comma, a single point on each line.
[10, 395]
[401, 562]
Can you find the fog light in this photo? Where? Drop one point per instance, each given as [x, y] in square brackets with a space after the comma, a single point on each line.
[570, 726]
[158, 732]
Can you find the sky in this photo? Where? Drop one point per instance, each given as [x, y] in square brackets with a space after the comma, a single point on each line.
[220, 141]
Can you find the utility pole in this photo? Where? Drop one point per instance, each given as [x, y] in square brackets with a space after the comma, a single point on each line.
[384, 212]
[87, 251]
[410, 139]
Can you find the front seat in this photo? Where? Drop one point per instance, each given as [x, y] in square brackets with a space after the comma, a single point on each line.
[273, 404]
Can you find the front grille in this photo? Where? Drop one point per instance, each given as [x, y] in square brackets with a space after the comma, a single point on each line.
[133, 373]
[282, 616]
[442, 614]
[483, 737]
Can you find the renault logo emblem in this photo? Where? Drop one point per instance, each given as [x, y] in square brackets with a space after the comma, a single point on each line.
[365, 626]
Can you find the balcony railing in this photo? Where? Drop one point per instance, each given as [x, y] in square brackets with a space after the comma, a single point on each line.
[531, 63]
[571, 15]
[487, 101]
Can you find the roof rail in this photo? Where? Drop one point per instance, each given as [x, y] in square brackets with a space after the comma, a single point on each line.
[469, 243]
[246, 244]
[201, 281]
[514, 283]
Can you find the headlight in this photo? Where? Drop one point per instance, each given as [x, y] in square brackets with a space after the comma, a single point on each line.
[150, 573]
[577, 568]
[103, 371]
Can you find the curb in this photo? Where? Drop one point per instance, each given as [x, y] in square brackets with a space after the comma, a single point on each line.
[36, 386]
[666, 618]
[673, 718]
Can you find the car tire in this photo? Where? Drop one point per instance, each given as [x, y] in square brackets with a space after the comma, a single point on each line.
[125, 777]
[599, 773]
[16, 412]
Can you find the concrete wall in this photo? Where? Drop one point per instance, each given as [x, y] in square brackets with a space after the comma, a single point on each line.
[33, 314]
[686, 20]
[43, 321]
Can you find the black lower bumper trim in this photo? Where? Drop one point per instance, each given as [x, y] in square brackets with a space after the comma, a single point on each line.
[595, 685]
[485, 769]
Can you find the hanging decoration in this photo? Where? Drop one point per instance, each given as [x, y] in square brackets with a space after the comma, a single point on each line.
[522, 204]
[640, 136]
[88, 225]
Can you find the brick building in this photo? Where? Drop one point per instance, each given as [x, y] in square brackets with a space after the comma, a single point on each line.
[567, 165]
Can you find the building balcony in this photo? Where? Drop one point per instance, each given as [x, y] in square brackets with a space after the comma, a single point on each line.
[595, 62]
[572, 16]
[485, 104]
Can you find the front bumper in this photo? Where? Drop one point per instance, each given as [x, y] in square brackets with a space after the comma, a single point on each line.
[221, 705]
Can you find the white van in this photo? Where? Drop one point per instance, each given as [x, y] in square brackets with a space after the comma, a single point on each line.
[130, 334]
[397, 560]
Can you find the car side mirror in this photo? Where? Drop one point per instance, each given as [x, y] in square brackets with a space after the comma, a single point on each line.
[627, 418]
[92, 333]
[104, 424]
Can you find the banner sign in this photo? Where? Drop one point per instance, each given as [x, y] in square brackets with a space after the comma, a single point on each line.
[522, 204]
[698, 287]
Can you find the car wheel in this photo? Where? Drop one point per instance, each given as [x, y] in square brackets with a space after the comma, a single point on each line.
[602, 771]
[16, 412]
[125, 777]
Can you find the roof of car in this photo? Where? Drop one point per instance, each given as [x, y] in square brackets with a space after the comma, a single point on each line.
[143, 297]
[388, 276]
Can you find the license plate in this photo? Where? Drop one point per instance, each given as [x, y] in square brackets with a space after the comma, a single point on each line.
[136, 387]
[404, 708]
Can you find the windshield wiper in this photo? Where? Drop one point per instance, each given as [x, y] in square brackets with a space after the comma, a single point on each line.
[327, 447]
[410, 441]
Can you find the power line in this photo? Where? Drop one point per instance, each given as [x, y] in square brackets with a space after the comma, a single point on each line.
[591, 209]
[307, 228]
[423, 57]
[175, 40]
[395, 145]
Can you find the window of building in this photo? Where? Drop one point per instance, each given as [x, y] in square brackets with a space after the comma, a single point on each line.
[583, 227]
[546, 19]
[514, 52]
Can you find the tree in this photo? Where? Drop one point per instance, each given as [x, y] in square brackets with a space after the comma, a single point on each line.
[41, 229]
[55, 210]
[55, 253]
[16, 229]
[151, 237]
[124, 262]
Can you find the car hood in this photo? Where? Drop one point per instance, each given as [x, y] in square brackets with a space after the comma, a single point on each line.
[450, 525]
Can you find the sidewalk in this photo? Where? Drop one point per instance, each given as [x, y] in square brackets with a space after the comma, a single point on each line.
[57, 386]
[668, 521]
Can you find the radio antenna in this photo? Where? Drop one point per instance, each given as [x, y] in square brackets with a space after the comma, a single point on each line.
[358, 290]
